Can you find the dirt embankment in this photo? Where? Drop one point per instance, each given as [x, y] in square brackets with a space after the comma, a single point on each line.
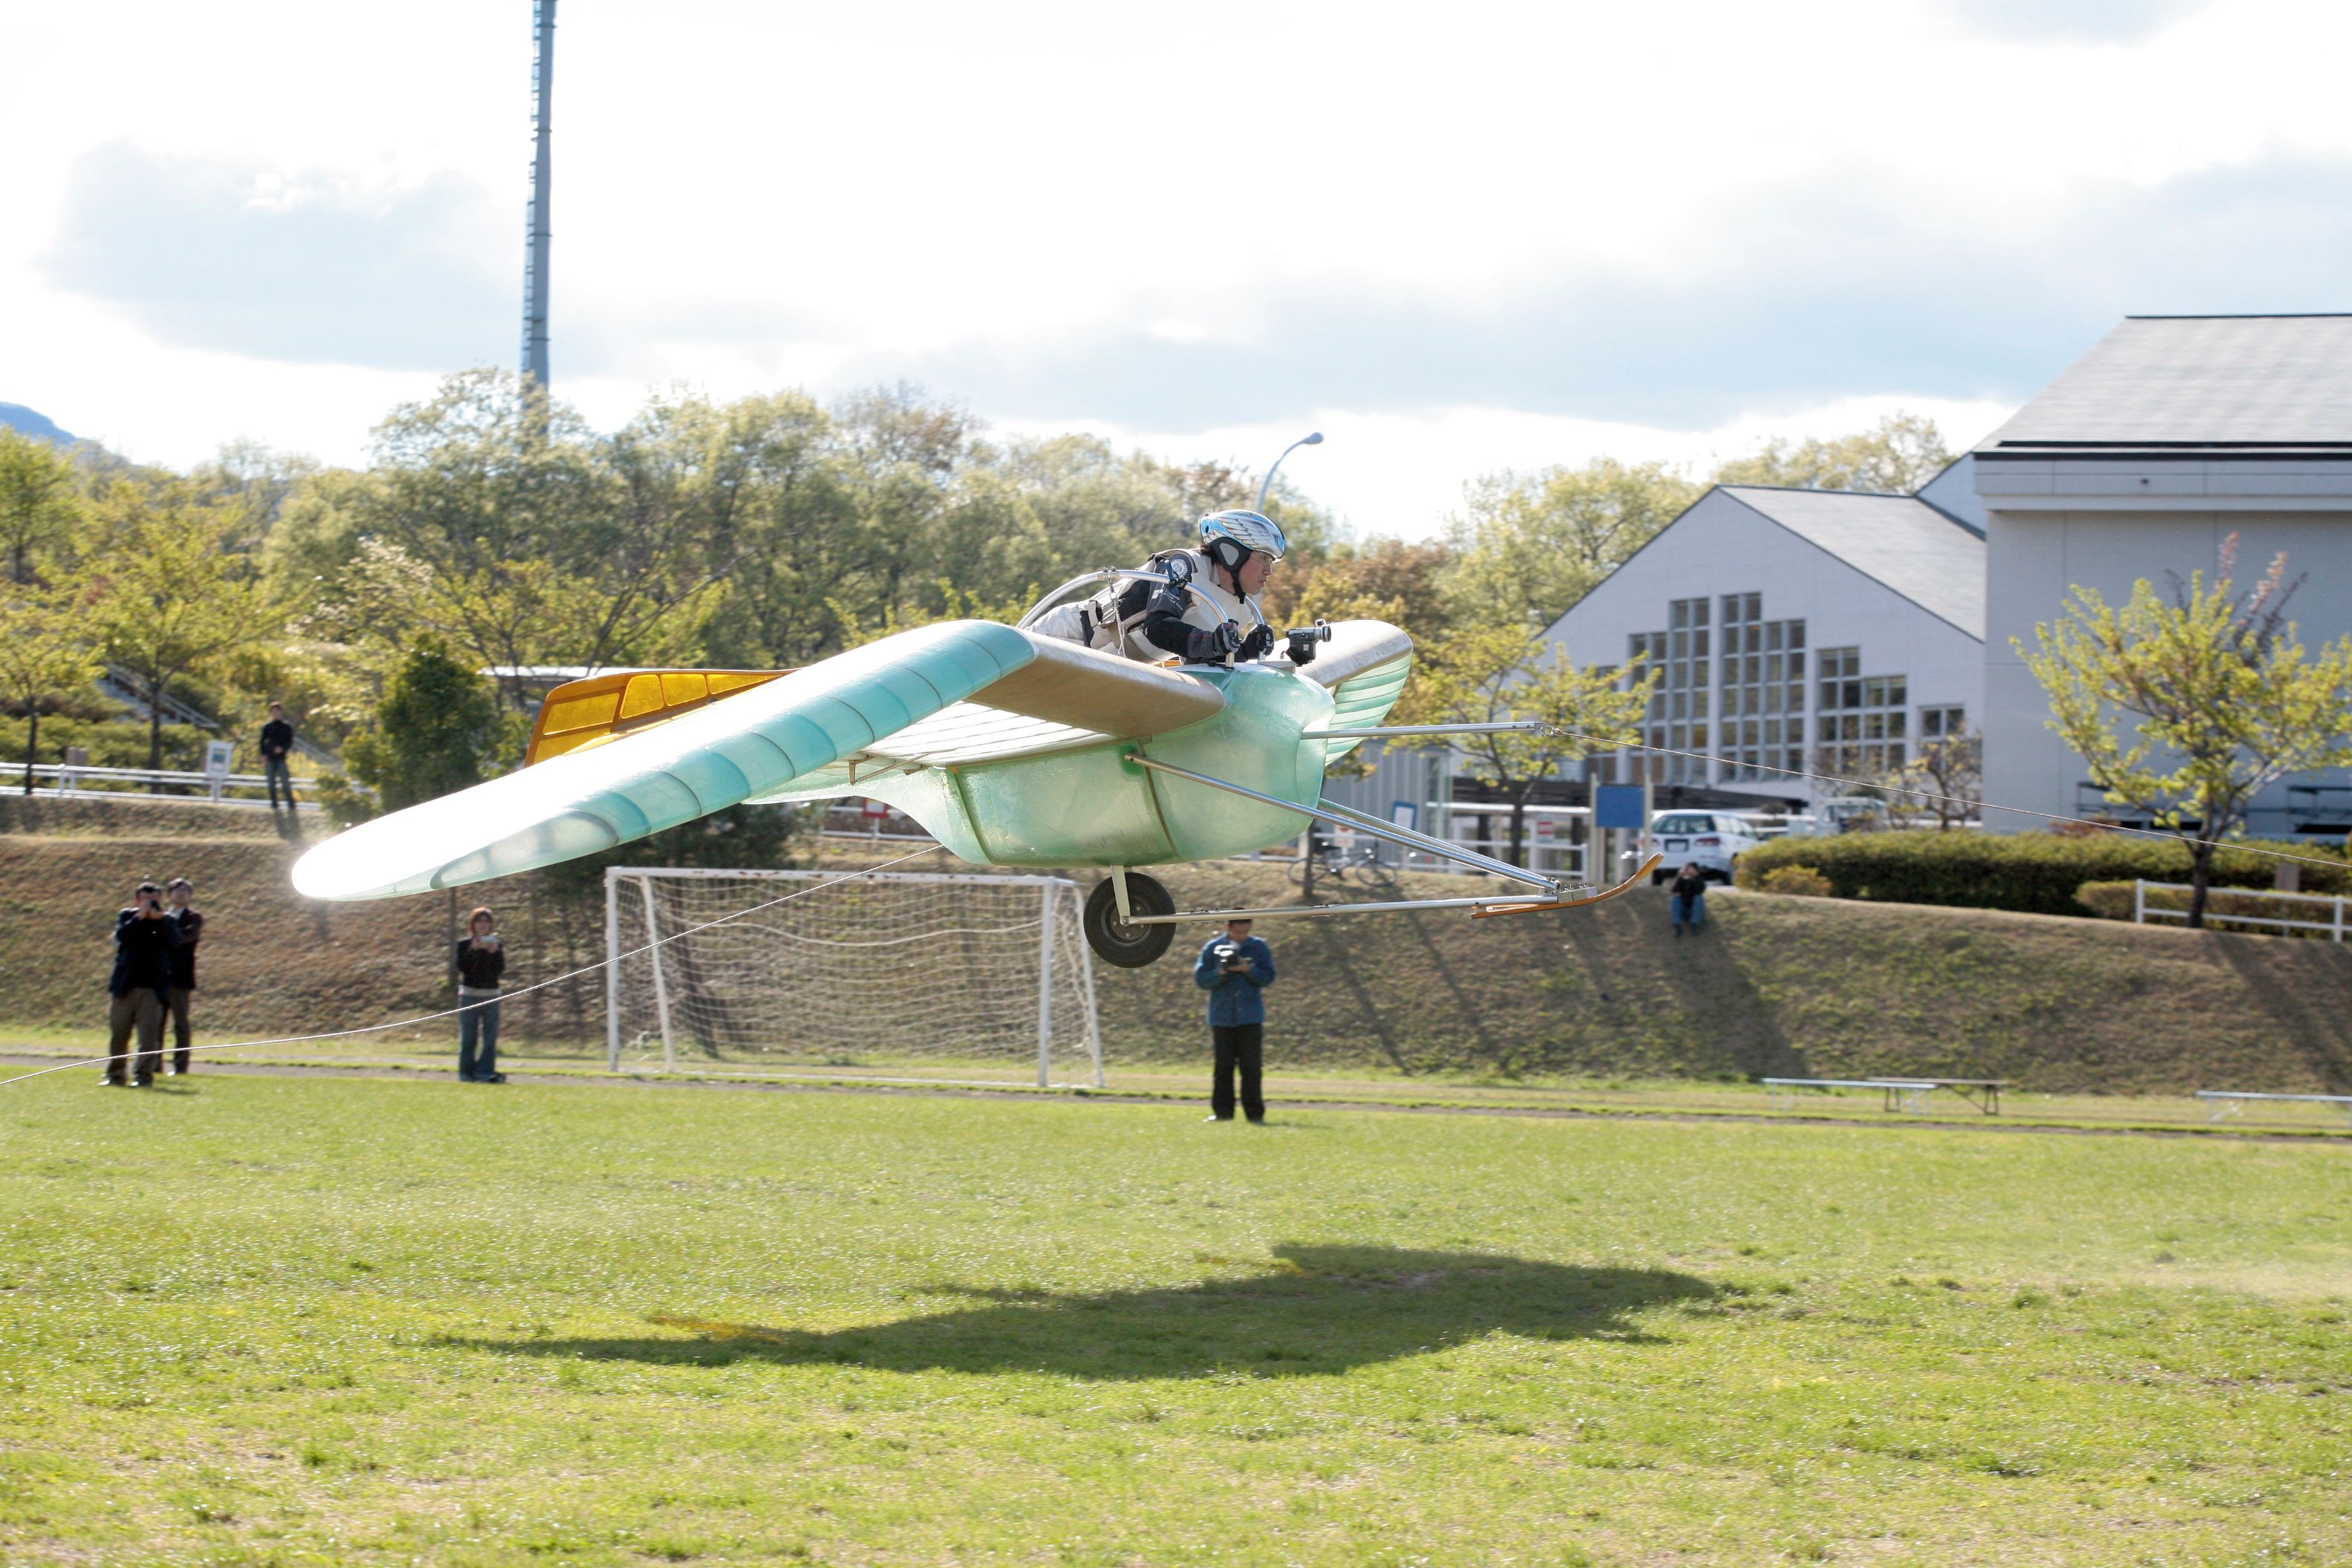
[1800, 986]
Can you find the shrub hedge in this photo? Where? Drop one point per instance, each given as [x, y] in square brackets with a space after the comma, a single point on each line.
[2034, 873]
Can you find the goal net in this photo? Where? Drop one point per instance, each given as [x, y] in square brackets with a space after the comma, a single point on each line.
[932, 970]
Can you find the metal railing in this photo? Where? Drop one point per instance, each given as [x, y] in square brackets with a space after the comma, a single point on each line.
[2332, 927]
[69, 781]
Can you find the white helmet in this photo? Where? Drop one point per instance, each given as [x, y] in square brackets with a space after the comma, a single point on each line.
[1230, 538]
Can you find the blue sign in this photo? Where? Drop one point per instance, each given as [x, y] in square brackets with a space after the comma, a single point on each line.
[1620, 805]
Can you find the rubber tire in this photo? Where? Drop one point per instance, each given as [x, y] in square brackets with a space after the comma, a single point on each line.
[1125, 946]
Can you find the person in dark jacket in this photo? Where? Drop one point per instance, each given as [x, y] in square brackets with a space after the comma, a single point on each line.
[188, 927]
[1689, 898]
[277, 739]
[140, 987]
[481, 960]
[1235, 968]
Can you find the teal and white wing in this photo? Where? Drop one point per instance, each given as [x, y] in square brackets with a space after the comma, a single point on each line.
[1364, 666]
[933, 696]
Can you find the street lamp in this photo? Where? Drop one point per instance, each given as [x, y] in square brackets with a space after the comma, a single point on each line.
[1314, 440]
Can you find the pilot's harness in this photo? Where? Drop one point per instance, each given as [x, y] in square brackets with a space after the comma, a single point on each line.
[1108, 629]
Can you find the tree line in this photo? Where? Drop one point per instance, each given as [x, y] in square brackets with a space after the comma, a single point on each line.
[492, 529]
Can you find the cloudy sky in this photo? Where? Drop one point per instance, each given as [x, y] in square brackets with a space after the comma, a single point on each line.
[1453, 238]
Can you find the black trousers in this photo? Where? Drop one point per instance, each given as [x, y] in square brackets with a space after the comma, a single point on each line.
[181, 1030]
[1239, 1046]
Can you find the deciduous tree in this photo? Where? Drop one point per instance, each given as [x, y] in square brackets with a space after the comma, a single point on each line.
[436, 729]
[166, 591]
[40, 501]
[1494, 674]
[2184, 710]
[47, 651]
[1896, 457]
[1525, 547]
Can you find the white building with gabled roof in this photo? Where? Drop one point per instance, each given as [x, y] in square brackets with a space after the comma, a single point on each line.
[2172, 438]
[1794, 628]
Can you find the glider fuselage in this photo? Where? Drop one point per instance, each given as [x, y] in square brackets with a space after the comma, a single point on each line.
[1092, 805]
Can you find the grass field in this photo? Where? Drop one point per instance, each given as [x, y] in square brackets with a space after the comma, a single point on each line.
[256, 1321]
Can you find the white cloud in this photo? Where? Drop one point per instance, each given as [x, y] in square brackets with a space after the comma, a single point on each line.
[1429, 221]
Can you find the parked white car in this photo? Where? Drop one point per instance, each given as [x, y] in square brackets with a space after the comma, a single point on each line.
[1846, 814]
[1715, 839]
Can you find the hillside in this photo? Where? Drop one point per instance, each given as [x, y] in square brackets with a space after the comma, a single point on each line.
[1800, 986]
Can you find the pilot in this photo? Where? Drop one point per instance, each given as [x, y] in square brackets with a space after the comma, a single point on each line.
[1206, 612]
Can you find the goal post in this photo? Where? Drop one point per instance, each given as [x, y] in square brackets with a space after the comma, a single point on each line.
[924, 970]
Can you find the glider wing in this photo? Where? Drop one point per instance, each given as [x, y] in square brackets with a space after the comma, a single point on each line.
[956, 692]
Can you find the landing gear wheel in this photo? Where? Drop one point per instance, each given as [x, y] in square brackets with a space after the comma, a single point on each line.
[1116, 942]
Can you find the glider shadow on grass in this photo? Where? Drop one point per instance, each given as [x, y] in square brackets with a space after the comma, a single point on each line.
[1318, 1310]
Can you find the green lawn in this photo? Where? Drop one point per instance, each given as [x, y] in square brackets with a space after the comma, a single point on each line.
[253, 1320]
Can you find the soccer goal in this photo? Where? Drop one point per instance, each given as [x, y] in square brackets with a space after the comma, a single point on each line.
[930, 970]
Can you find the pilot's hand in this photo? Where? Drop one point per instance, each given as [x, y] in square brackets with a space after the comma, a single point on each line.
[1258, 644]
[1213, 646]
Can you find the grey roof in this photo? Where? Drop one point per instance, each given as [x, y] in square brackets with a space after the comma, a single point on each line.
[1920, 552]
[2231, 380]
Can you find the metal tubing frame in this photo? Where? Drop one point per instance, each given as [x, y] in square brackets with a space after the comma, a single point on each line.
[1293, 910]
[1371, 825]
[1412, 840]
[1521, 726]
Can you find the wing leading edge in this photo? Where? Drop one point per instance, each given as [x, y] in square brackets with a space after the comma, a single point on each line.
[755, 742]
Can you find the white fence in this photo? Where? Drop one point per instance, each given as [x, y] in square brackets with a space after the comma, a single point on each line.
[69, 781]
[2216, 911]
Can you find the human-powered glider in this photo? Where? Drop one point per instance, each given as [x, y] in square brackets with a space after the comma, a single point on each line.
[1011, 748]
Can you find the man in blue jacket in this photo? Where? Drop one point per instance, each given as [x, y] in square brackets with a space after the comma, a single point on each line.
[1234, 969]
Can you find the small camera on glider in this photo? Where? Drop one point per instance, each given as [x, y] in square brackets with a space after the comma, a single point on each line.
[1303, 639]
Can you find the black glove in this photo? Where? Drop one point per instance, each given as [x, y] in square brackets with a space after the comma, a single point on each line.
[1211, 647]
[1258, 644]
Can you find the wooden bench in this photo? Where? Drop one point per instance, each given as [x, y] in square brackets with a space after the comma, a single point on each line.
[1901, 1093]
[2221, 1102]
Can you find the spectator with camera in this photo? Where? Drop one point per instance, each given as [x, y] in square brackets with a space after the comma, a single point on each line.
[140, 987]
[1235, 968]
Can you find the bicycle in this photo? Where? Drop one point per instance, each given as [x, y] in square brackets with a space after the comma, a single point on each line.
[1327, 862]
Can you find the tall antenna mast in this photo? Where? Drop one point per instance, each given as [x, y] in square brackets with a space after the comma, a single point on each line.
[534, 276]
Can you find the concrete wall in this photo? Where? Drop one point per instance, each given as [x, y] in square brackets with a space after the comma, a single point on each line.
[1723, 546]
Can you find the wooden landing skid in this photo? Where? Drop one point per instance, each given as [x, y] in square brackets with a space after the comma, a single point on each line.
[1535, 908]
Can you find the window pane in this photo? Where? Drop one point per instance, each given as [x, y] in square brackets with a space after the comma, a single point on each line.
[1796, 633]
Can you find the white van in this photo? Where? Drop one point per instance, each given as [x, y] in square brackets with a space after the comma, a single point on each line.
[1715, 840]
